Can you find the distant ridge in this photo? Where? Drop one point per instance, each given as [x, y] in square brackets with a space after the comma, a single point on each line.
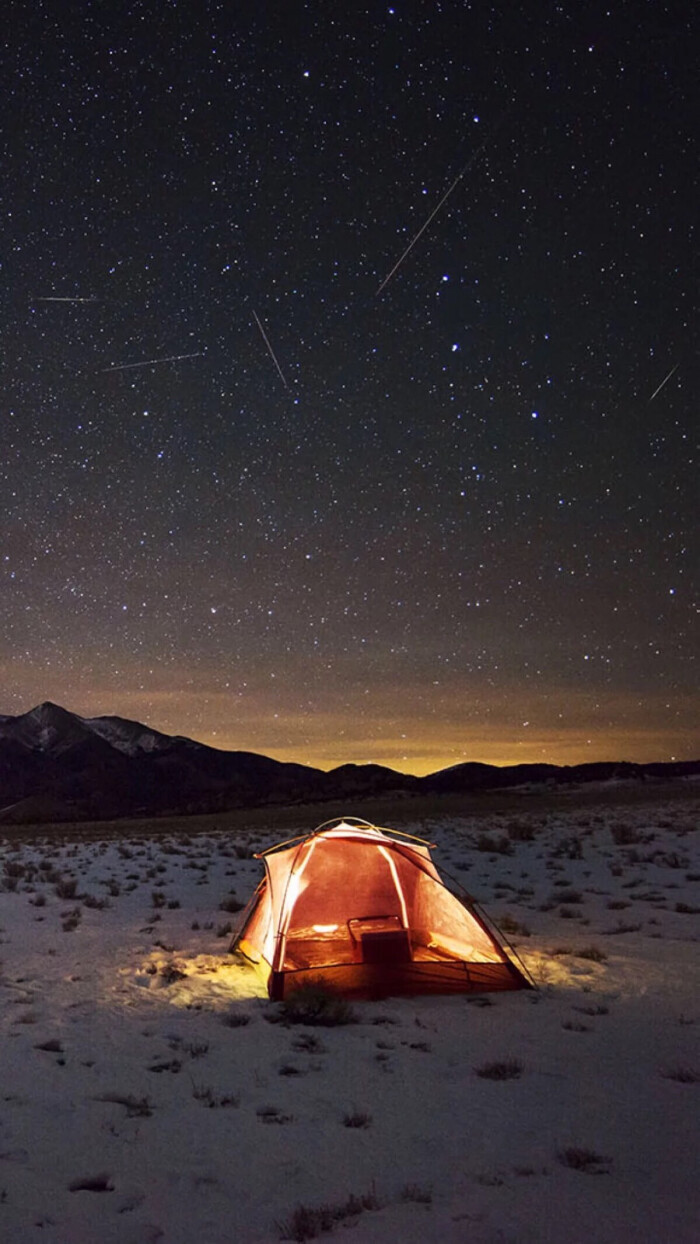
[57, 766]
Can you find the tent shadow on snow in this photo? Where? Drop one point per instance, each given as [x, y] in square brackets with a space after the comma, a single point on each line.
[364, 911]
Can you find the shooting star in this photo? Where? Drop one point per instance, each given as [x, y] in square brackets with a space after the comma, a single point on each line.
[663, 382]
[270, 351]
[55, 298]
[172, 358]
[431, 217]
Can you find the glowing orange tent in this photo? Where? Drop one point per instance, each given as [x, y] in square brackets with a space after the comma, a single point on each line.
[366, 910]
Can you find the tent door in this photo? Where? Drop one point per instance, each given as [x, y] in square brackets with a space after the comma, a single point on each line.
[380, 939]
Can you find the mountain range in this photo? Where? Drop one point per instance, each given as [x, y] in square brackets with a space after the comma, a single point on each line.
[56, 766]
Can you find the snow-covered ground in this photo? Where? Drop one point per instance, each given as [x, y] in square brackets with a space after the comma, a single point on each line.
[145, 1097]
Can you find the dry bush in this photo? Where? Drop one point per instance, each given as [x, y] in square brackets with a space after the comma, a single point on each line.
[682, 1075]
[414, 1192]
[585, 1160]
[92, 1183]
[509, 925]
[212, 1100]
[231, 905]
[235, 1020]
[494, 846]
[71, 920]
[624, 834]
[316, 1005]
[520, 831]
[307, 1223]
[357, 1118]
[271, 1114]
[136, 1107]
[594, 953]
[506, 1069]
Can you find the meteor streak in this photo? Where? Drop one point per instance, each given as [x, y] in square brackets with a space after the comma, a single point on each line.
[271, 352]
[173, 358]
[431, 217]
[55, 298]
[663, 382]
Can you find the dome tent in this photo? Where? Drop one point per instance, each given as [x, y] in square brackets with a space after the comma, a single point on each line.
[365, 910]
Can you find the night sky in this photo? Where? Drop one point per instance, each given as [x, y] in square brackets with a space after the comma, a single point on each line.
[250, 497]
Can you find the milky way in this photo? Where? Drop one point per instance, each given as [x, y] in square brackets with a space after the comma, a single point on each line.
[444, 522]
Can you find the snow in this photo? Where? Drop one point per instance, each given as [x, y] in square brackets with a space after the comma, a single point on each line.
[126, 736]
[163, 1084]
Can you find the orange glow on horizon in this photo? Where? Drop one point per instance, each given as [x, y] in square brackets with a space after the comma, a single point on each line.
[413, 729]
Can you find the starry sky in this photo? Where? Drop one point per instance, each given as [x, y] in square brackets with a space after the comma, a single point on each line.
[255, 493]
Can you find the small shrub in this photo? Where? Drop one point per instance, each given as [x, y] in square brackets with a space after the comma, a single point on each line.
[92, 1183]
[506, 1069]
[235, 1020]
[307, 1223]
[520, 831]
[158, 899]
[136, 1107]
[590, 952]
[494, 846]
[170, 973]
[569, 848]
[66, 887]
[682, 1075]
[173, 1065]
[413, 1192]
[490, 1179]
[316, 1005]
[510, 926]
[357, 1118]
[308, 1043]
[196, 1049]
[231, 905]
[13, 868]
[91, 901]
[585, 1160]
[567, 895]
[625, 835]
[670, 859]
[270, 1114]
[71, 920]
[212, 1101]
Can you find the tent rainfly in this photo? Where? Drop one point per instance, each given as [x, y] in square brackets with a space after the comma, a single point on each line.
[365, 910]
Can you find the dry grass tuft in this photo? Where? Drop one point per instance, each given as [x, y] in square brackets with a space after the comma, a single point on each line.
[307, 1222]
[506, 1069]
[584, 1160]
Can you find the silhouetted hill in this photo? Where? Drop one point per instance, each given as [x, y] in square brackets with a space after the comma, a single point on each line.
[57, 766]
